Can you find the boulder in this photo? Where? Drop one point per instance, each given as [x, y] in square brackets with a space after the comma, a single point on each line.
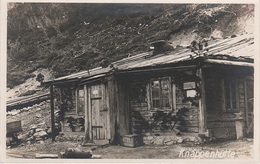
[187, 139]
[192, 138]
[33, 127]
[48, 131]
[167, 139]
[40, 142]
[38, 139]
[40, 134]
[22, 137]
[149, 138]
[169, 143]
[30, 138]
[159, 140]
[39, 129]
[180, 140]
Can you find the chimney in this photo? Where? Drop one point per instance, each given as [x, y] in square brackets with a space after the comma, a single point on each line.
[160, 47]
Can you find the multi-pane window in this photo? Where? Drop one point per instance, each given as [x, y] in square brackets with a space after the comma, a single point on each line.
[80, 105]
[231, 96]
[160, 93]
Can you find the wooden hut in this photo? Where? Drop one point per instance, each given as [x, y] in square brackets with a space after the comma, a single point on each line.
[204, 89]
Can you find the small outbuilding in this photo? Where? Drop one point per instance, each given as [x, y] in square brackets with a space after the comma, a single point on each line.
[205, 89]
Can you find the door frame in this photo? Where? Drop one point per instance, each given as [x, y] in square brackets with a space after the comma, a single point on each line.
[88, 111]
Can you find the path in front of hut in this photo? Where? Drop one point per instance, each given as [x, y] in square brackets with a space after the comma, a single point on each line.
[40, 114]
[241, 149]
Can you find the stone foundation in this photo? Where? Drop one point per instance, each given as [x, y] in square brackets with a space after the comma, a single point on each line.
[170, 139]
[70, 137]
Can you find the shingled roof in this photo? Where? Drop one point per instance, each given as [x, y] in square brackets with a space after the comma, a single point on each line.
[237, 50]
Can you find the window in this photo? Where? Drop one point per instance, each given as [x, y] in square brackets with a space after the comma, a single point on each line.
[80, 102]
[231, 95]
[160, 93]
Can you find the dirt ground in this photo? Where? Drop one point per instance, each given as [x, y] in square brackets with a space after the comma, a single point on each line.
[241, 148]
[40, 115]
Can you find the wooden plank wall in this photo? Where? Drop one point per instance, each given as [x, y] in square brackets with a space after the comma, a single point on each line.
[220, 123]
[142, 114]
[119, 109]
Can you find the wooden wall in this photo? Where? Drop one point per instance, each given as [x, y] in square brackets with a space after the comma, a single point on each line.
[142, 114]
[220, 123]
[119, 108]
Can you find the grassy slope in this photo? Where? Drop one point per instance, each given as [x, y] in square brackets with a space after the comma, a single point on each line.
[68, 38]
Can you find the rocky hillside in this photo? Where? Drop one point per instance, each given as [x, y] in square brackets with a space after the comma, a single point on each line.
[67, 38]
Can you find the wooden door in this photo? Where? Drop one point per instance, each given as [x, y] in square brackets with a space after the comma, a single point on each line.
[99, 113]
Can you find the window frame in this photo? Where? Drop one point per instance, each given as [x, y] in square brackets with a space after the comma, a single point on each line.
[80, 113]
[171, 97]
[230, 82]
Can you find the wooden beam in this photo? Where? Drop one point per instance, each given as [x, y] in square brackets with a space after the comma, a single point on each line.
[202, 104]
[52, 115]
[148, 70]
[89, 113]
[86, 106]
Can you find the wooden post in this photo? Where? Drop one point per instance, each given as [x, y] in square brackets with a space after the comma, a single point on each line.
[246, 105]
[90, 114]
[202, 104]
[52, 115]
[86, 106]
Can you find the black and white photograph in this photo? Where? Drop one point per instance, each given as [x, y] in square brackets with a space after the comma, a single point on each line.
[99, 81]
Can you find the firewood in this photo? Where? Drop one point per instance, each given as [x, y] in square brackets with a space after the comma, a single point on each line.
[46, 155]
[77, 153]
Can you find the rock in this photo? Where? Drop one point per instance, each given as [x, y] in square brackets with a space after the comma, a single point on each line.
[198, 140]
[187, 139]
[192, 139]
[40, 142]
[159, 140]
[167, 139]
[30, 138]
[48, 131]
[179, 140]
[40, 134]
[38, 130]
[31, 132]
[22, 137]
[38, 115]
[38, 139]
[28, 142]
[169, 143]
[13, 113]
[38, 109]
[149, 138]
[33, 126]
[96, 156]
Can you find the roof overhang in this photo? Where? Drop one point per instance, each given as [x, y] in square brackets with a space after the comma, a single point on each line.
[227, 62]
